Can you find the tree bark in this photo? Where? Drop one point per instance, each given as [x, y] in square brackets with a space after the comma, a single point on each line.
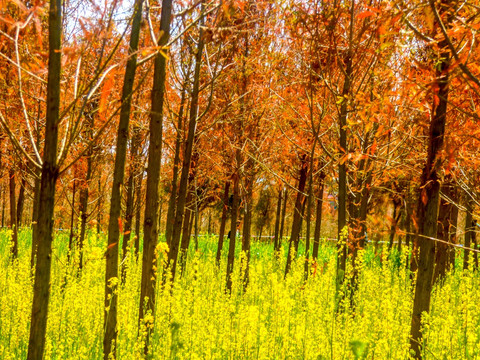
[297, 214]
[282, 222]
[111, 265]
[318, 219]
[222, 222]
[41, 288]
[36, 205]
[21, 201]
[13, 213]
[429, 198]
[468, 231]
[446, 230]
[276, 240]
[72, 220]
[130, 189]
[84, 191]
[247, 222]
[185, 240]
[233, 227]
[150, 231]
[138, 208]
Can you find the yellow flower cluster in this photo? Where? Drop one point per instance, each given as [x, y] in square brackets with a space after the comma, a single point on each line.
[273, 318]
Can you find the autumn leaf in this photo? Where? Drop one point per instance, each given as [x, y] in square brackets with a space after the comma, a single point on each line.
[365, 14]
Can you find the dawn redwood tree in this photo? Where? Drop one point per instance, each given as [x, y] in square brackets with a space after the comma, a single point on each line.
[150, 226]
[430, 187]
[41, 288]
[111, 265]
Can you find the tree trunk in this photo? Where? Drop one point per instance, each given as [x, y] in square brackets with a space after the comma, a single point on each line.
[41, 288]
[176, 160]
[222, 223]
[36, 205]
[72, 220]
[150, 230]
[318, 219]
[297, 214]
[84, 192]
[342, 175]
[429, 200]
[247, 223]
[446, 230]
[185, 241]
[130, 208]
[474, 244]
[138, 208]
[182, 193]
[233, 227]
[111, 265]
[13, 213]
[282, 222]
[276, 240]
[21, 201]
[468, 231]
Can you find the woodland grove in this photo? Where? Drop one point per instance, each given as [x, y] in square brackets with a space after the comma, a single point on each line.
[294, 126]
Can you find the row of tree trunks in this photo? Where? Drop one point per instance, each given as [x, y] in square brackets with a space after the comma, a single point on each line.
[187, 158]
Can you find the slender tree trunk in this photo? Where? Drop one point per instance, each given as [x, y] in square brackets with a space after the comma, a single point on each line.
[222, 223]
[429, 199]
[393, 225]
[185, 241]
[84, 191]
[36, 205]
[100, 205]
[111, 265]
[247, 223]
[150, 231]
[282, 221]
[233, 226]
[276, 240]
[72, 220]
[176, 161]
[138, 208]
[13, 213]
[21, 201]
[173, 253]
[318, 220]
[130, 208]
[297, 215]
[468, 231]
[446, 230]
[474, 244]
[41, 287]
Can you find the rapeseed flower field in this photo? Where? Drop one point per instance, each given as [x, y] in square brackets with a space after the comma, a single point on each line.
[275, 318]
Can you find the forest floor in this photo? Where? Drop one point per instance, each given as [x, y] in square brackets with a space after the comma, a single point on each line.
[275, 318]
